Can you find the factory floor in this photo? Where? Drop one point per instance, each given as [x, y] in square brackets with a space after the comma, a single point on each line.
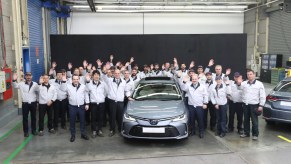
[273, 146]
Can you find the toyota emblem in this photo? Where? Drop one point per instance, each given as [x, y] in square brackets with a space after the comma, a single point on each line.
[154, 122]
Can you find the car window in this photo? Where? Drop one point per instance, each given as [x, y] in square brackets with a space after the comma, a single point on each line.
[283, 86]
[157, 92]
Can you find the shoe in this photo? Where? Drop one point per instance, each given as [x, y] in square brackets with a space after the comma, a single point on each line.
[94, 134]
[222, 135]
[217, 133]
[201, 135]
[64, 127]
[230, 130]
[83, 136]
[212, 129]
[244, 135]
[34, 133]
[255, 138]
[100, 133]
[52, 131]
[72, 139]
[26, 134]
[40, 133]
[112, 133]
[240, 132]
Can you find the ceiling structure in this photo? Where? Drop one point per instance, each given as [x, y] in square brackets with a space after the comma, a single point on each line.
[152, 6]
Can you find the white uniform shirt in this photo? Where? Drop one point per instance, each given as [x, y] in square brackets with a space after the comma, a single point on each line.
[143, 74]
[97, 91]
[156, 73]
[197, 96]
[236, 92]
[77, 95]
[28, 92]
[116, 92]
[219, 95]
[47, 93]
[209, 85]
[253, 93]
[61, 95]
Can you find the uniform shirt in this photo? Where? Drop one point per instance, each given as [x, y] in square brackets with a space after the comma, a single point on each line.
[97, 91]
[202, 79]
[47, 93]
[167, 73]
[156, 73]
[209, 85]
[77, 95]
[116, 91]
[223, 76]
[82, 80]
[197, 94]
[236, 92]
[130, 85]
[28, 91]
[219, 94]
[143, 74]
[61, 95]
[253, 93]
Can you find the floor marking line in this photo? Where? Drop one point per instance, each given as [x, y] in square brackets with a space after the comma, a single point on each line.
[285, 139]
[10, 131]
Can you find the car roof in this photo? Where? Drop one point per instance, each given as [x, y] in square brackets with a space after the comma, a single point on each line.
[158, 80]
[287, 79]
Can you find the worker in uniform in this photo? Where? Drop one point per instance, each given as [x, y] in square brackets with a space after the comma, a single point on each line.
[47, 96]
[235, 105]
[78, 103]
[61, 103]
[197, 100]
[97, 91]
[28, 90]
[218, 97]
[156, 71]
[253, 98]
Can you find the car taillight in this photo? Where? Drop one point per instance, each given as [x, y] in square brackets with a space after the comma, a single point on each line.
[271, 98]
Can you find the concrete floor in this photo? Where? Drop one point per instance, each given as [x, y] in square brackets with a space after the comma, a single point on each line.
[56, 148]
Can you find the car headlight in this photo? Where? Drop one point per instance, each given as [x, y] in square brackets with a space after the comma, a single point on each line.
[128, 118]
[180, 118]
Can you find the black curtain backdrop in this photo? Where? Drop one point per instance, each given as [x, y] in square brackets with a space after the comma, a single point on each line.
[228, 50]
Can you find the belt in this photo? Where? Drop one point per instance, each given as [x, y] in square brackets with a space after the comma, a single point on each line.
[94, 103]
[116, 101]
[28, 102]
[76, 105]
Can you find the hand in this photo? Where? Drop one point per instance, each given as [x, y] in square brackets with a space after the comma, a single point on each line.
[260, 108]
[228, 71]
[41, 80]
[99, 63]
[204, 106]
[227, 82]
[186, 79]
[123, 68]
[51, 71]
[175, 60]
[117, 64]
[49, 103]
[211, 63]
[54, 64]
[111, 58]
[176, 65]
[192, 64]
[86, 107]
[64, 77]
[89, 66]
[239, 80]
[93, 68]
[15, 76]
[152, 66]
[131, 60]
[87, 77]
[107, 66]
[179, 74]
[85, 63]
[163, 67]
[127, 64]
[70, 65]
[216, 106]
[130, 99]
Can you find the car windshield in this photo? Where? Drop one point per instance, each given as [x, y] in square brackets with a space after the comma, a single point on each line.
[161, 91]
[283, 86]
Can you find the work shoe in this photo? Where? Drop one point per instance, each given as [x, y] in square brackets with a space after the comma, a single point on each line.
[100, 133]
[52, 131]
[222, 135]
[244, 135]
[26, 134]
[94, 134]
[112, 133]
[72, 139]
[255, 138]
[34, 133]
[83, 136]
[40, 133]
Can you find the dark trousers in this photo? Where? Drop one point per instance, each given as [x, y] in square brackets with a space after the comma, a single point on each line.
[88, 116]
[74, 111]
[196, 113]
[235, 108]
[60, 110]
[43, 109]
[116, 110]
[221, 118]
[212, 111]
[97, 111]
[106, 112]
[250, 112]
[26, 108]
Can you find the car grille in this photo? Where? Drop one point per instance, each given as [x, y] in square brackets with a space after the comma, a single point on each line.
[170, 131]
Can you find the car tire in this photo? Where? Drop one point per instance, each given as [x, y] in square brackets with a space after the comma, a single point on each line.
[270, 122]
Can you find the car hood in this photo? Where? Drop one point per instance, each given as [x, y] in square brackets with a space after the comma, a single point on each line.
[153, 109]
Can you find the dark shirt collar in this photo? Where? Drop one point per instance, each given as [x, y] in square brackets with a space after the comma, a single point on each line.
[197, 85]
[252, 82]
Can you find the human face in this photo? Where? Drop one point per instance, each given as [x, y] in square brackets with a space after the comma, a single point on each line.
[117, 74]
[134, 72]
[183, 66]
[126, 74]
[209, 77]
[194, 79]
[157, 67]
[251, 76]
[109, 73]
[200, 70]
[28, 78]
[76, 80]
[167, 65]
[76, 72]
[219, 82]
[45, 79]
[96, 77]
[218, 70]
[59, 76]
